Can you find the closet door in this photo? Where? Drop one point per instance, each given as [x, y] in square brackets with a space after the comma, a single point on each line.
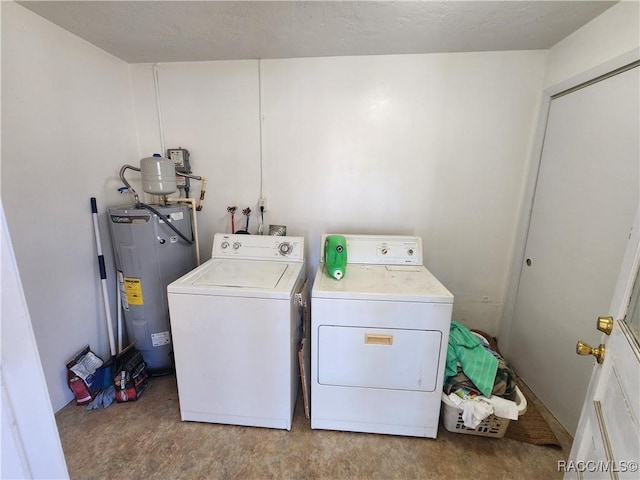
[585, 200]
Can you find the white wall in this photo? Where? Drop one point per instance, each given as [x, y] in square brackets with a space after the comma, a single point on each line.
[210, 108]
[613, 33]
[432, 145]
[608, 42]
[67, 127]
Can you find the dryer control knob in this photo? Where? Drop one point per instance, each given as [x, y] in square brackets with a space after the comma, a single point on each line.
[236, 245]
[285, 248]
[224, 245]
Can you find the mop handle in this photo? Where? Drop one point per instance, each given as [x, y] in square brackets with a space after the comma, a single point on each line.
[94, 214]
[103, 276]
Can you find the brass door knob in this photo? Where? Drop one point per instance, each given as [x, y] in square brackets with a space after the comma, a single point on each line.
[605, 324]
[583, 348]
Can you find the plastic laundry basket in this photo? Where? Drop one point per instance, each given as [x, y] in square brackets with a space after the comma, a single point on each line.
[491, 426]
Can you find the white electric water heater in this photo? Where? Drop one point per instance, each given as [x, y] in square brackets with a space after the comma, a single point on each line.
[149, 255]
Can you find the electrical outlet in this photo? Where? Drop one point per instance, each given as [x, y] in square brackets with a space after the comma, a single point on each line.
[262, 204]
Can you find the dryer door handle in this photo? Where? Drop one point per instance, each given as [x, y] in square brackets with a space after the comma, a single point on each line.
[377, 339]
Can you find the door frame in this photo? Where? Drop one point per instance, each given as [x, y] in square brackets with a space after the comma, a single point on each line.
[526, 207]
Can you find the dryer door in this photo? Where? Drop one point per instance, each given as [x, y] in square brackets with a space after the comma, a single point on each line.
[397, 359]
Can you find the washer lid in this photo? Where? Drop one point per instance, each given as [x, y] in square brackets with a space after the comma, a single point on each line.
[399, 283]
[243, 273]
[239, 278]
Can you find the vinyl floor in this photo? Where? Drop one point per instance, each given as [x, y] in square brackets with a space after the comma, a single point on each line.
[147, 440]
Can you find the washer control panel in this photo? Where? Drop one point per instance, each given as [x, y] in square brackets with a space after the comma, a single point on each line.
[258, 247]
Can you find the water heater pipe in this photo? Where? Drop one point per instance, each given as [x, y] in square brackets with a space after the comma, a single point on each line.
[192, 205]
[127, 184]
[194, 208]
[156, 82]
[190, 201]
[203, 186]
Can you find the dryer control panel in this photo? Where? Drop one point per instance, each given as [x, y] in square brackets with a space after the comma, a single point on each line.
[383, 249]
[258, 247]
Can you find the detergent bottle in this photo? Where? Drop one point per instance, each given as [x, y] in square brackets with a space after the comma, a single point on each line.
[335, 255]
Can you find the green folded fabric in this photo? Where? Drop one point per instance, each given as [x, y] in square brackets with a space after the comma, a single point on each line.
[477, 363]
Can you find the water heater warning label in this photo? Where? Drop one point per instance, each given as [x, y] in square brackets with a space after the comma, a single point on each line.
[133, 290]
[161, 338]
[121, 291]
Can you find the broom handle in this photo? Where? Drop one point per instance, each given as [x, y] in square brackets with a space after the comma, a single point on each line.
[103, 276]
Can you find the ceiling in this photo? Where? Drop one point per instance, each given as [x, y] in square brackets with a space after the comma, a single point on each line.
[170, 31]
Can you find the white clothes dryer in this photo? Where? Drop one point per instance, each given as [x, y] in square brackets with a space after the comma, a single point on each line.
[236, 329]
[379, 340]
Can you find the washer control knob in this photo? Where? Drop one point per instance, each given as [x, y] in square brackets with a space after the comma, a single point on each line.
[410, 252]
[224, 245]
[384, 251]
[236, 245]
[285, 248]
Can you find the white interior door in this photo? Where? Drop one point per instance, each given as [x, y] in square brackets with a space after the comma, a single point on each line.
[607, 441]
[30, 442]
[586, 196]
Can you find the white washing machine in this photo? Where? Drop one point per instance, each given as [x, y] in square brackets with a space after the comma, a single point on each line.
[379, 340]
[236, 330]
